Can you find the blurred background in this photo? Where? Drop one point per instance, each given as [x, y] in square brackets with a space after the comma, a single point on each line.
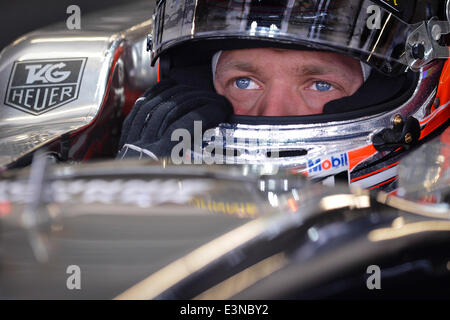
[18, 17]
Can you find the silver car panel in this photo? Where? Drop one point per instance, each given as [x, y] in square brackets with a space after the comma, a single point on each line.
[119, 33]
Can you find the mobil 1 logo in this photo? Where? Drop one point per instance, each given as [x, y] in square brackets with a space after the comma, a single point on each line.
[39, 86]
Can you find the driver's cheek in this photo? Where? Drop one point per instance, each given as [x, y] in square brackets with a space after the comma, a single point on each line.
[280, 102]
[315, 101]
[245, 104]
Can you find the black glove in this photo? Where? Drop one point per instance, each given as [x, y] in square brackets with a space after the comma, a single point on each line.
[164, 108]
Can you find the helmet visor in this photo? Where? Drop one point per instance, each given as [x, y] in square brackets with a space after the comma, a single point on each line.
[360, 29]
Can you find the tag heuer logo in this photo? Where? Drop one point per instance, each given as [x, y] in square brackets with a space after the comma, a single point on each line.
[42, 85]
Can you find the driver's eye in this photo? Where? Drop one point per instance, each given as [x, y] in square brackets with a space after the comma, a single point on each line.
[245, 84]
[322, 86]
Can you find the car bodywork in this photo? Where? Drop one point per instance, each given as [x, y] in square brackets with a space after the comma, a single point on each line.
[108, 68]
[140, 230]
[144, 230]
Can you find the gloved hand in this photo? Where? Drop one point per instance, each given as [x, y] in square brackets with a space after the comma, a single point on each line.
[164, 108]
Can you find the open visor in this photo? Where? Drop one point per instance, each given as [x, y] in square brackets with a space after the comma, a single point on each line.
[360, 29]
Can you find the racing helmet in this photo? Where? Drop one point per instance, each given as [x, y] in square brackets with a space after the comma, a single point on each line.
[359, 138]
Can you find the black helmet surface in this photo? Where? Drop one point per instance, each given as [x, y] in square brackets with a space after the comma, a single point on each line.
[374, 31]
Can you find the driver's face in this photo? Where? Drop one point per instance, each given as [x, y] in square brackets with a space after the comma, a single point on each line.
[280, 82]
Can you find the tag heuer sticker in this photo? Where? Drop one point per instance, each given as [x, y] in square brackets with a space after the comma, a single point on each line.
[39, 86]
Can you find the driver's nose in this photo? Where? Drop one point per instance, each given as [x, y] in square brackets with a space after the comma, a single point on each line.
[281, 99]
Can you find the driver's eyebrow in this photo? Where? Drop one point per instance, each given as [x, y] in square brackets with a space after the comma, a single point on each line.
[300, 71]
[318, 70]
[241, 66]
[315, 70]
